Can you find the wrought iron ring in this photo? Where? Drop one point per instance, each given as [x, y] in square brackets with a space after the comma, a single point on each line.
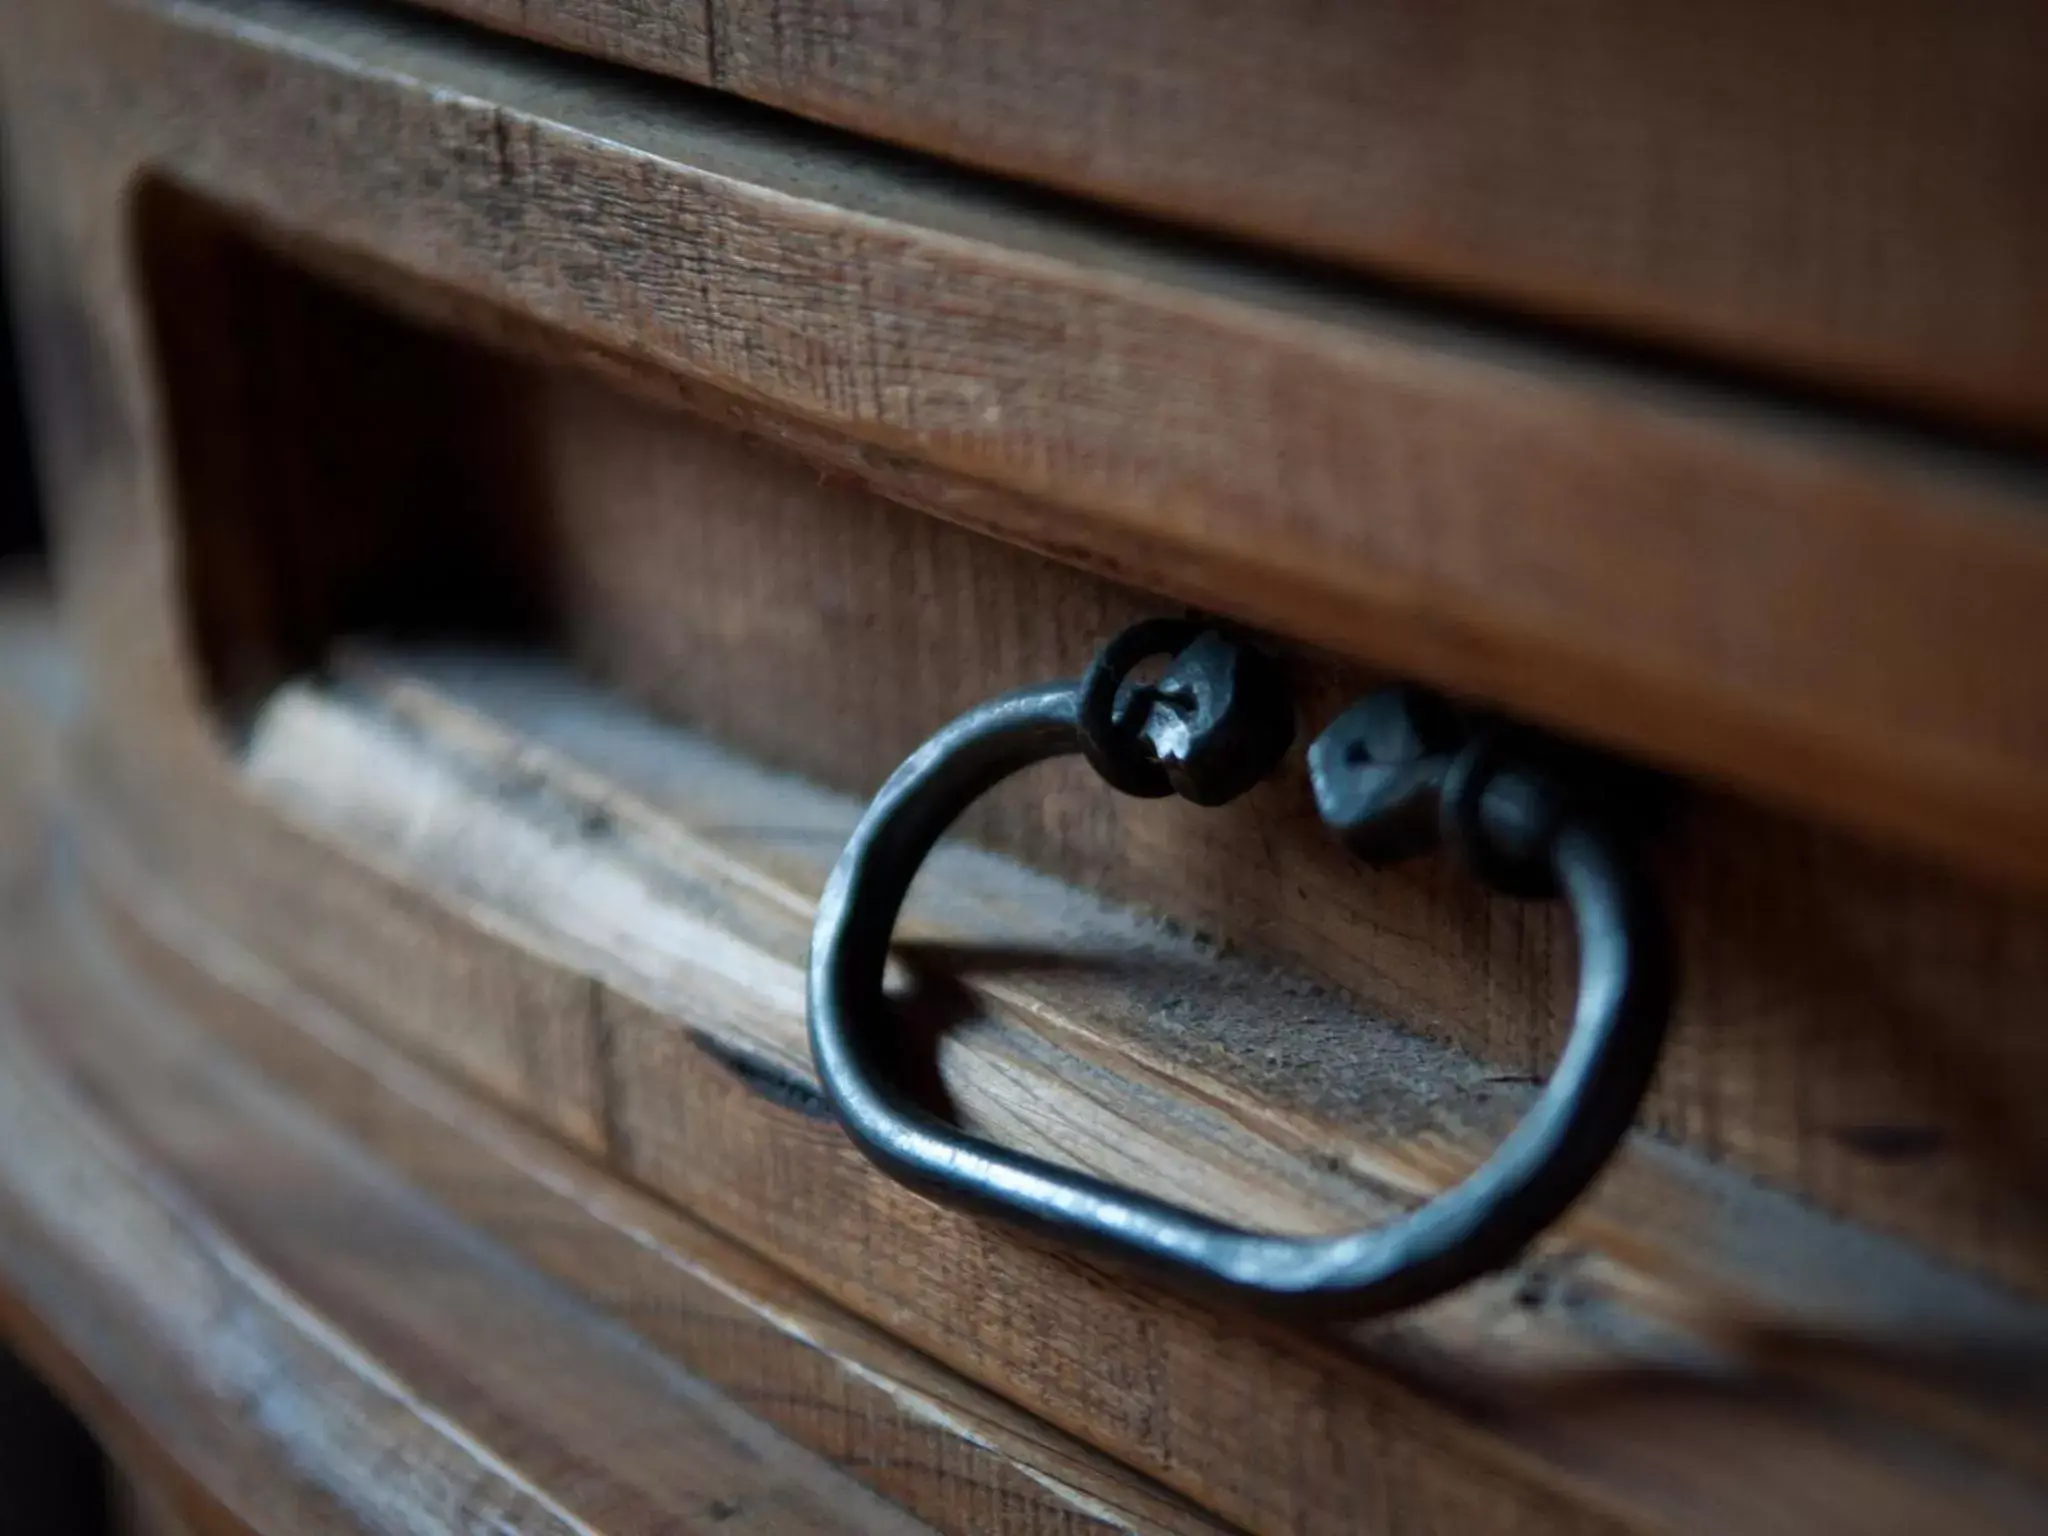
[1392, 776]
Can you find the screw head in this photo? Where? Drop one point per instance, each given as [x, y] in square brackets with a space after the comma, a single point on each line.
[1378, 771]
[1221, 719]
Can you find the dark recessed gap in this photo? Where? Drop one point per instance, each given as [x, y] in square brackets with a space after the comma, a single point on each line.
[53, 1475]
[339, 471]
[21, 523]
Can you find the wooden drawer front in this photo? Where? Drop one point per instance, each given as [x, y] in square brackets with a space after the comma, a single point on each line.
[1850, 195]
[595, 919]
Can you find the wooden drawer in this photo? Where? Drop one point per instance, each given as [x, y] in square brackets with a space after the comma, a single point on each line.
[512, 516]
[1638, 557]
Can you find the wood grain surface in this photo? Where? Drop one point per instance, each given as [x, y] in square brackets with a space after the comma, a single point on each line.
[923, 1438]
[146, 1507]
[328, 1349]
[509, 935]
[1821, 612]
[1853, 1025]
[658, 35]
[1680, 1317]
[1853, 195]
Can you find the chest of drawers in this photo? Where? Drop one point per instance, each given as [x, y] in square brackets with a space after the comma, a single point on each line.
[521, 477]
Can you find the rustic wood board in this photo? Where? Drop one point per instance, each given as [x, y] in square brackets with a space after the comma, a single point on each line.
[1850, 195]
[329, 1351]
[954, 1455]
[1813, 609]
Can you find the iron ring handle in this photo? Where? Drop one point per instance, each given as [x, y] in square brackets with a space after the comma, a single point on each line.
[1478, 1226]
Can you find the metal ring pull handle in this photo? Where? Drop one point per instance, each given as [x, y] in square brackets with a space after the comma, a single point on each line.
[1393, 775]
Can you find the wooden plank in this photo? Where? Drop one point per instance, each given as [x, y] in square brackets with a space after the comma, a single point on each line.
[1848, 195]
[659, 35]
[280, 1315]
[146, 1508]
[1647, 1331]
[41, 693]
[1814, 611]
[954, 1456]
